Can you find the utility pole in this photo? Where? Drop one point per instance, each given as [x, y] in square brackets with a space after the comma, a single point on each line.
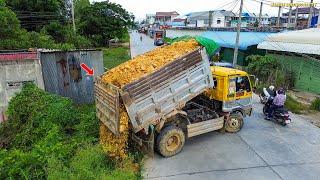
[260, 14]
[236, 48]
[296, 18]
[278, 19]
[290, 11]
[72, 14]
[310, 14]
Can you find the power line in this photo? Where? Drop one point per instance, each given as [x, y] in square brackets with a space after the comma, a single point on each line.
[277, 46]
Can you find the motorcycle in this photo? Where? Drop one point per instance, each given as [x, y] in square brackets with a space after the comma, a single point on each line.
[280, 115]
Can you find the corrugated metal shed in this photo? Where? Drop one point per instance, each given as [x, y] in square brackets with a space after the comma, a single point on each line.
[63, 75]
[303, 41]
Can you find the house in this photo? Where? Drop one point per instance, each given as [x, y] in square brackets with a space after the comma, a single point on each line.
[150, 18]
[303, 15]
[299, 53]
[165, 18]
[215, 19]
[251, 20]
[179, 21]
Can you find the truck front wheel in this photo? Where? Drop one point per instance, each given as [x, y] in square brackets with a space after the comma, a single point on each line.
[234, 123]
[170, 141]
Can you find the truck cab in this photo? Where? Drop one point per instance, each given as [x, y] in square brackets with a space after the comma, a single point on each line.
[232, 87]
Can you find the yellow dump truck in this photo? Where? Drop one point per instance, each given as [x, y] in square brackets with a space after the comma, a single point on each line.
[184, 98]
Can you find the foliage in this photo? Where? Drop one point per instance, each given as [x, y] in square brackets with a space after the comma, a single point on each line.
[79, 6]
[115, 56]
[46, 136]
[103, 21]
[294, 106]
[269, 71]
[315, 104]
[34, 14]
[65, 35]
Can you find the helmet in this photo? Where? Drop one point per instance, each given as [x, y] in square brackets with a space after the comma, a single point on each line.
[271, 88]
[281, 91]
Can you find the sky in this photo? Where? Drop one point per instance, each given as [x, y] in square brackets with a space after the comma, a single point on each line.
[142, 7]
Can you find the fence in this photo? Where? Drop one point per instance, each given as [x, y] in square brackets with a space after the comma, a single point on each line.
[306, 70]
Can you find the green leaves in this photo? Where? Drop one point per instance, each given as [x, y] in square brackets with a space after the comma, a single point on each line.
[103, 21]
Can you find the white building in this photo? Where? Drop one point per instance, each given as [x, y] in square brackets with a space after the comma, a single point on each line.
[218, 18]
[150, 18]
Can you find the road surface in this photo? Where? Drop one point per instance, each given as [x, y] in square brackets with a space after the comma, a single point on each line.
[139, 47]
[261, 150]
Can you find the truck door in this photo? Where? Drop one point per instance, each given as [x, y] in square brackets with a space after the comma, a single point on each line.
[239, 95]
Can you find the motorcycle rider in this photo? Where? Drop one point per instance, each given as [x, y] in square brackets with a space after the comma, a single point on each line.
[278, 102]
[271, 91]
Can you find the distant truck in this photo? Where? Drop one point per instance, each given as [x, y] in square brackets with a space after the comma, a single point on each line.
[158, 36]
[185, 98]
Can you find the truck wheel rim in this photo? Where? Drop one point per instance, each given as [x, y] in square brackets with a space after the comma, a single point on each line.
[234, 123]
[172, 143]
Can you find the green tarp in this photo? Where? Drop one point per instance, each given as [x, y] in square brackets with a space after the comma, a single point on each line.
[211, 46]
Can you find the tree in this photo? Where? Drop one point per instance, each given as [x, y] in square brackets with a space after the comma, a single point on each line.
[79, 6]
[34, 14]
[103, 21]
[11, 35]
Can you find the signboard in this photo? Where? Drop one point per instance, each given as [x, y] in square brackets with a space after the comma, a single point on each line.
[279, 4]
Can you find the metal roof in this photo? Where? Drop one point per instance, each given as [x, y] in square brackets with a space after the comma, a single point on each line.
[205, 14]
[303, 41]
[228, 38]
[172, 13]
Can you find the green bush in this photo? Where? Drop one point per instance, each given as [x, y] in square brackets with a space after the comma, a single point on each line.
[315, 105]
[270, 72]
[294, 106]
[46, 136]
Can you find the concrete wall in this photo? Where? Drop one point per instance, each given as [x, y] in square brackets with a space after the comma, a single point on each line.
[13, 74]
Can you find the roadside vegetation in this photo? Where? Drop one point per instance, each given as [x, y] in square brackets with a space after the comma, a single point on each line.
[115, 56]
[48, 137]
[47, 24]
[270, 72]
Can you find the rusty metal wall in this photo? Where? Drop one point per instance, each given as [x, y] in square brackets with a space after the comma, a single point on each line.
[63, 75]
[13, 74]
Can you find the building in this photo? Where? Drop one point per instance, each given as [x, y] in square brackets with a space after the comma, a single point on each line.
[214, 19]
[179, 22]
[165, 18]
[150, 18]
[251, 20]
[302, 20]
[299, 53]
[16, 69]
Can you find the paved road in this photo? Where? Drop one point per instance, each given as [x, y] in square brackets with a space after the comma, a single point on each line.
[261, 150]
[139, 47]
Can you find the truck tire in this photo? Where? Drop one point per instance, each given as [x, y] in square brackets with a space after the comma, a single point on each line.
[234, 123]
[170, 141]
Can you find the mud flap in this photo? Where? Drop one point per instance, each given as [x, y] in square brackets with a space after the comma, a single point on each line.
[144, 144]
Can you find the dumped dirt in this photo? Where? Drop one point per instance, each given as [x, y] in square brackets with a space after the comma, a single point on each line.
[147, 63]
[117, 147]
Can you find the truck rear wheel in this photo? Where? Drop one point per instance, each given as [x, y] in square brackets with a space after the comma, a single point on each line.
[234, 123]
[170, 141]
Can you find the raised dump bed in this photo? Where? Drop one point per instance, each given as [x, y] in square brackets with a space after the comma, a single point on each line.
[155, 96]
